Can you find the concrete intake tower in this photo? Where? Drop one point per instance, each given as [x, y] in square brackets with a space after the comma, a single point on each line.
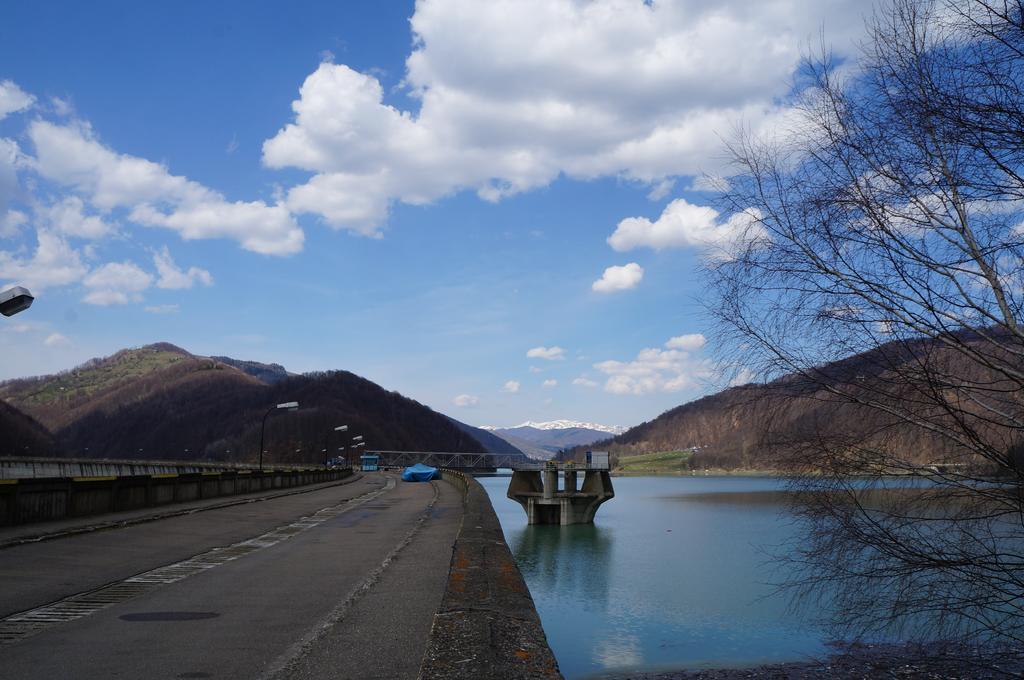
[537, 491]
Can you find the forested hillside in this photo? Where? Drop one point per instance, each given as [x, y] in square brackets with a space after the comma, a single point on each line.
[160, 402]
[21, 435]
[770, 426]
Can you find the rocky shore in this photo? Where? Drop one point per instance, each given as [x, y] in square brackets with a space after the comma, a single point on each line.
[863, 662]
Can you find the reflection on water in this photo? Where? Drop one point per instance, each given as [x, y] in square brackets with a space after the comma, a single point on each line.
[545, 552]
[673, 574]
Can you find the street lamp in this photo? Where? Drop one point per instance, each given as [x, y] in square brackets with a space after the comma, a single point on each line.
[14, 300]
[289, 406]
[339, 428]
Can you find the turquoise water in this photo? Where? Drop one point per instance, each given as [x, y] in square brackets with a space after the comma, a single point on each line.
[674, 573]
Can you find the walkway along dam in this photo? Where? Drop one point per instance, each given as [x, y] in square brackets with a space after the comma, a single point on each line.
[356, 576]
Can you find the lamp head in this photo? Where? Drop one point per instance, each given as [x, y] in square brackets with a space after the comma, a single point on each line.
[14, 300]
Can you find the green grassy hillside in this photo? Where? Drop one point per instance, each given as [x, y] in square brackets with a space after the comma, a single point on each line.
[662, 462]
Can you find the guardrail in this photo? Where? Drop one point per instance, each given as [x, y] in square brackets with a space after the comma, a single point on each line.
[37, 500]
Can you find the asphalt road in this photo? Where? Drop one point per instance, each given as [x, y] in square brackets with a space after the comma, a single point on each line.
[349, 592]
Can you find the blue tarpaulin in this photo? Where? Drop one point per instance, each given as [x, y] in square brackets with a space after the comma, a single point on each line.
[419, 473]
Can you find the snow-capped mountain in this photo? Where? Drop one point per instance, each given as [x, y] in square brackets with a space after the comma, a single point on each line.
[562, 425]
[543, 440]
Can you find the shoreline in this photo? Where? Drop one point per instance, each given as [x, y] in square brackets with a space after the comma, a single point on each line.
[930, 661]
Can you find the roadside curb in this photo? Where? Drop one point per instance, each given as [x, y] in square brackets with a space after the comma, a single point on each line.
[487, 625]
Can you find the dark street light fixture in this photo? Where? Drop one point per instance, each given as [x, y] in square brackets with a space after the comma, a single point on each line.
[288, 405]
[339, 428]
[14, 300]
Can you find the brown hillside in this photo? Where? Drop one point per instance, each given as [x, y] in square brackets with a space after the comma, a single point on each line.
[21, 435]
[161, 402]
[764, 426]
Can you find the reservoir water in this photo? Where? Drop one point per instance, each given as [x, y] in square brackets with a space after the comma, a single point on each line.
[674, 573]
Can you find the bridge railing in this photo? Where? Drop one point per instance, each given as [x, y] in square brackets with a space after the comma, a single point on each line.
[469, 461]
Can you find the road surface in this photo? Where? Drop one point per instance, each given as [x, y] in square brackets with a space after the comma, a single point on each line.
[339, 582]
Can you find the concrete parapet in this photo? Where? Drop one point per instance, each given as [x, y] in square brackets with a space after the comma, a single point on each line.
[487, 626]
[36, 500]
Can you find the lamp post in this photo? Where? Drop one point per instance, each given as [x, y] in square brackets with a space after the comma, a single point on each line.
[288, 405]
[339, 428]
[14, 300]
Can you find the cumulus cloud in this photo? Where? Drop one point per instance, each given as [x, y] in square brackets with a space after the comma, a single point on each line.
[607, 88]
[657, 370]
[173, 278]
[549, 383]
[584, 381]
[69, 217]
[511, 386]
[116, 283]
[683, 224]
[54, 263]
[13, 99]
[618, 278]
[554, 353]
[688, 343]
[56, 340]
[466, 400]
[72, 156]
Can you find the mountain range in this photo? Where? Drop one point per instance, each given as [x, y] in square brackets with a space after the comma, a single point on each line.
[546, 439]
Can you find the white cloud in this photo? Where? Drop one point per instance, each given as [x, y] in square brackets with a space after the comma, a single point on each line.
[71, 155]
[10, 156]
[173, 278]
[684, 224]
[661, 190]
[511, 386]
[56, 340]
[116, 283]
[690, 342]
[709, 183]
[466, 400]
[13, 99]
[619, 278]
[162, 309]
[62, 107]
[54, 263]
[11, 223]
[606, 88]
[657, 370]
[534, 369]
[554, 353]
[742, 377]
[549, 383]
[583, 381]
[68, 217]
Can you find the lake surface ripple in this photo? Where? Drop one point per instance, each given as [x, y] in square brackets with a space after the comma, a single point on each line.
[675, 573]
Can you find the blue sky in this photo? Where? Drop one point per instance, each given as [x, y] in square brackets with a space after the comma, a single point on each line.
[498, 209]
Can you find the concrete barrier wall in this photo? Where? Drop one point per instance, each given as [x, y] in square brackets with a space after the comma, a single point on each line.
[28, 467]
[487, 626]
[41, 499]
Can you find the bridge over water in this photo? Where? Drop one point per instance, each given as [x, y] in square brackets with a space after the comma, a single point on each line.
[467, 462]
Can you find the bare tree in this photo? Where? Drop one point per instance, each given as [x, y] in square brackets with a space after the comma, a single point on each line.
[887, 223]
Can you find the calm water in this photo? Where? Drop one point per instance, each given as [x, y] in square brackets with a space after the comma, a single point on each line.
[673, 574]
